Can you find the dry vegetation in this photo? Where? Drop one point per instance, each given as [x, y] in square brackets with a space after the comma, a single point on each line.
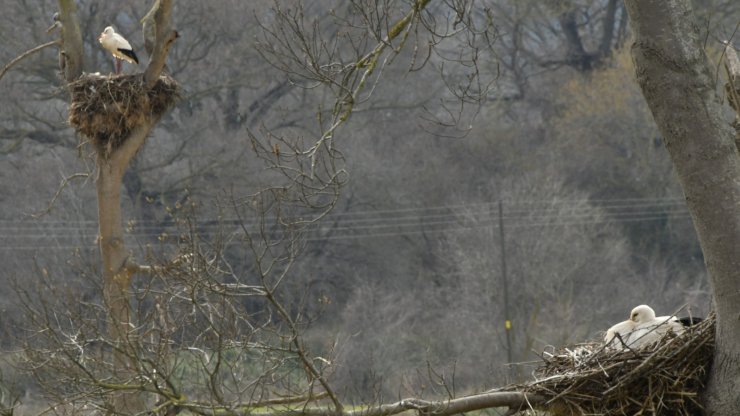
[665, 378]
[106, 108]
[402, 223]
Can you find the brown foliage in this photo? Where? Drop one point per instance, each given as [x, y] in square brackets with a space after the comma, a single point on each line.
[105, 109]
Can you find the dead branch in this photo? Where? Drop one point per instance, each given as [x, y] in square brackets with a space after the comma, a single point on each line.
[513, 400]
[62, 185]
[26, 54]
[132, 267]
[289, 400]
[149, 28]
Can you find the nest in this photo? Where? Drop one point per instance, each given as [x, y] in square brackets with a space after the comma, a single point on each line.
[665, 378]
[105, 109]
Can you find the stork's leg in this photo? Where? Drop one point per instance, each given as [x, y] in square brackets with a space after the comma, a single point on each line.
[118, 65]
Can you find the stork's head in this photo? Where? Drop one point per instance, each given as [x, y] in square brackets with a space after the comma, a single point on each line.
[107, 32]
[642, 313]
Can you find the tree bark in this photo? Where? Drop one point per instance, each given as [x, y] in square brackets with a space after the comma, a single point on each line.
[71, 40]
[117, 272]
[677, 81]
[514, 400]
[164, 38]
[732, 67]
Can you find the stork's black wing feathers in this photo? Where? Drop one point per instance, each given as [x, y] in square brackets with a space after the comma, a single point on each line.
[130, 53]
[690, 320]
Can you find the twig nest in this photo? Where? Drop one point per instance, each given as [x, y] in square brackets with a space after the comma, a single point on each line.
[665, 378]
[105, 109]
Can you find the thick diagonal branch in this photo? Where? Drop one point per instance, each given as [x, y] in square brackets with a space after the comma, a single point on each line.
[164, 38]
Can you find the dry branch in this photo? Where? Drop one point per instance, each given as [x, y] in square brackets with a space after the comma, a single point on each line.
[26, 54]
[65, 181]
[510, 399]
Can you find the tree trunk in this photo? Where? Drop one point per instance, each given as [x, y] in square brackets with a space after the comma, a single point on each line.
[677, 81]
[72, 48]
[117, 269]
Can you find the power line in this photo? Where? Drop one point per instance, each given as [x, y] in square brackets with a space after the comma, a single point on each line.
[584, 204]
[370, 224]
[513, 214]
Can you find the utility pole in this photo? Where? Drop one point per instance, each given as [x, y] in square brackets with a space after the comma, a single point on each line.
[505, 283]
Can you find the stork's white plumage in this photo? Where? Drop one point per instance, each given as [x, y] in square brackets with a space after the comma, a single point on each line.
[618, 335]
[643, 328]
[118, 46]
[650, 328]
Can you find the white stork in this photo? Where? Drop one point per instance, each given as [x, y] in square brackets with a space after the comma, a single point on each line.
[643, 328]
[618, 335]
[650, 328]
[118, 46]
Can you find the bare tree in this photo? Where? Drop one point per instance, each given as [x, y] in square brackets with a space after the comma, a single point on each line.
[115, 366]
[212, 329]
[115, 148]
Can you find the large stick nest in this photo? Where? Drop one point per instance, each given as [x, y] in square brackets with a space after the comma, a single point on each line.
[665, 378]
[105, 109]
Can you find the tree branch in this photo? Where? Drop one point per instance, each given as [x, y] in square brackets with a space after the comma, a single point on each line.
[62, 185]
[514, 400]
[345, 106]
[149, 28]
[26, 54]
[123, 155]
[164, 39]
[289, 400]
[732, 66]
[132, 267]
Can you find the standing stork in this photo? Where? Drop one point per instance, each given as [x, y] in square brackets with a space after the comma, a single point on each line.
[118, 46]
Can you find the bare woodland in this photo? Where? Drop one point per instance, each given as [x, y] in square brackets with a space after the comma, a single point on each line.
[320, 207]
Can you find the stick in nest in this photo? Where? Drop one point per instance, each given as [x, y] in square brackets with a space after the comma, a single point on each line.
[663, 378]
[106, 109]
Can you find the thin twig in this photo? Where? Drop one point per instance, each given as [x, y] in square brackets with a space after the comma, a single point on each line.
[62, 185]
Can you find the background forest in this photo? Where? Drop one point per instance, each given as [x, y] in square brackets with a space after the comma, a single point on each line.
[406, 272]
